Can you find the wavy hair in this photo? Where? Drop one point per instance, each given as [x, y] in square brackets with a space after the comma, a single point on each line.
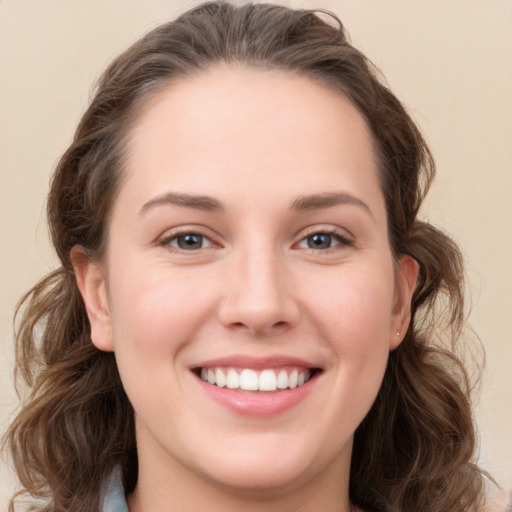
[415, 449]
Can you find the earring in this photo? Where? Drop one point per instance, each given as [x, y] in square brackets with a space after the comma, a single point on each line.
[398, 333]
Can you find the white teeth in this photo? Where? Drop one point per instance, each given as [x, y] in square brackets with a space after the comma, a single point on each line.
[220, 378]
[293, 379]
[282, 380]
[267, 381]
[232, 379]
[249, 379]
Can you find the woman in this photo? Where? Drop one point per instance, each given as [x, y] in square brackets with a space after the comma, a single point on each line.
[247, 311]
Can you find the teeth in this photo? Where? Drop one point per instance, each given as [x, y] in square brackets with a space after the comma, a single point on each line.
[250, 380]
[282, 380]
[233, 379]
[267, 381]
[293, 379]
[220, 378]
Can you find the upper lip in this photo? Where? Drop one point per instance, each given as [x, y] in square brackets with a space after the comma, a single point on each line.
[256, 363]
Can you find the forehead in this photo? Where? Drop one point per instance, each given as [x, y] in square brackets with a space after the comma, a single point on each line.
[236, 100]
[254, 130]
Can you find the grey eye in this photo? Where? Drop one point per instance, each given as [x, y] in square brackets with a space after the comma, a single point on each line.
[189, 242]
[321, 241]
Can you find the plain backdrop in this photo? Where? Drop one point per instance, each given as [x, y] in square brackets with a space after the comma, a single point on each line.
[449, 61]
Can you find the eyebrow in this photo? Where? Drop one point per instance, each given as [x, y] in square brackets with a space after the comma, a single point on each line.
[328, 200]
[204, 203]
[301, 203]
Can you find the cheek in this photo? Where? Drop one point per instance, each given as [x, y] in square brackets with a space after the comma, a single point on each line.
[153, 318]
[151, 308]
[354, 308]
[355, 318]
[150, 333]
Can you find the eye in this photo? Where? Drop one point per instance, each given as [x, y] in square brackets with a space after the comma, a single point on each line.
[322, 241]
[188, 241]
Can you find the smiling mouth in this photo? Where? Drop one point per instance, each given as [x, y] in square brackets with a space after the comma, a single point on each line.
[264, 380]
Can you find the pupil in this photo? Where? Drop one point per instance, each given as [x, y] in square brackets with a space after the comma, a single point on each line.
[319, 241]
[190, 241]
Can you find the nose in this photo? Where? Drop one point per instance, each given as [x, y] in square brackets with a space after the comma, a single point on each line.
[258, 295]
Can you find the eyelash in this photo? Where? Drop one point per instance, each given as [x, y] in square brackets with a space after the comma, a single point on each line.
[167, 241]
[341, 240]
[333, 234]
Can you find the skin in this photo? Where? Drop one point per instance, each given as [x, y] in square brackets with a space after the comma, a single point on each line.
[255, 141]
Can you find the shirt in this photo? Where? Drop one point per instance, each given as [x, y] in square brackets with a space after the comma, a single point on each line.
[113, 497]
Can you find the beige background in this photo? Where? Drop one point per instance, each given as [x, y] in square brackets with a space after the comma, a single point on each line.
[448, 60]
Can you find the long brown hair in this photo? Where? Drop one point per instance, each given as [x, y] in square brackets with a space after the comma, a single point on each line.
[414, 450]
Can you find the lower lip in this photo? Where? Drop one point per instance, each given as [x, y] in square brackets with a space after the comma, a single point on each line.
[258, 404]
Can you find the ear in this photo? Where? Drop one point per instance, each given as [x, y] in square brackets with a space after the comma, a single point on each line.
[92, 285]
[407, 274]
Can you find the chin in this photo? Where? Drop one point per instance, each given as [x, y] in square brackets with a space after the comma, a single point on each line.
[265, 479]
[270, 468]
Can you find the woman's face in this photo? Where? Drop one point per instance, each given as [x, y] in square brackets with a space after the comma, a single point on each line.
[248, 246]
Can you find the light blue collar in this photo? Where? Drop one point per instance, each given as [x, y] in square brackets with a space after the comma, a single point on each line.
[113, 497]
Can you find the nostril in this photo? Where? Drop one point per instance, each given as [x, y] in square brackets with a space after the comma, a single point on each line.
[265, 329]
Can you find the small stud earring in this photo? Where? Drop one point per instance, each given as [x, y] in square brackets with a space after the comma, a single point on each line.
[398, 333]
